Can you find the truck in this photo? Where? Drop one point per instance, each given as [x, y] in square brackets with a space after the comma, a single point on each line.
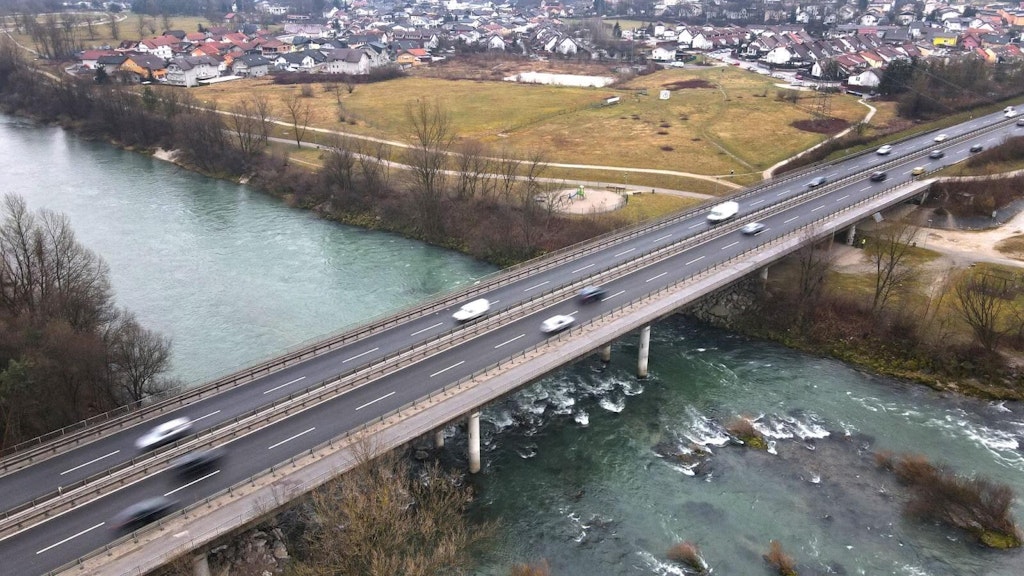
[722, 212]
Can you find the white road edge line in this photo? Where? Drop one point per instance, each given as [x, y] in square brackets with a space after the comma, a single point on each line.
[818, 208]
[285, 384]
[537, 285]
[616, 294]
[459, 363]
[864, 188]
[580, 269]
[756, 202]
[425, 329]
[694, 260]
[843, 198]
[655, 277]
[70, 538]
[377, 400]
[660, 239]
[509, 341]
[695, 225]
[360, 355]
[307, 431]
[623, 252]
[206, 416]
[89, 462]
[183, 486]
[791, 219]
[729, 245]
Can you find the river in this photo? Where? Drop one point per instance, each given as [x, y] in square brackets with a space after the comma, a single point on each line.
[578, 467]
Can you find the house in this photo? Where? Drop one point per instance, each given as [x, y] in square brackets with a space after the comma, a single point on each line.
[353, 61]
[162, 46]
[111, 63]
[89, 58]
[664, 53]
[250, 66]
[412, 57]
[494, 42]
[305, 61]
[188, 71]
[867, 79]
[145, 67]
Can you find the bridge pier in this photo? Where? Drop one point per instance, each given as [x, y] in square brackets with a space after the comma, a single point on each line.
[606, 353]
[474, 442]
[201, 565]
[763, 274]
[645, 348]
[439, 438]
[851, 234]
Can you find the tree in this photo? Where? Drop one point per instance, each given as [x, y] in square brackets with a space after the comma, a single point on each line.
[433, 135]
[115, 27]
[136, 359]
[888, 251]
[298, 112]
[897, 77]
[980, 300]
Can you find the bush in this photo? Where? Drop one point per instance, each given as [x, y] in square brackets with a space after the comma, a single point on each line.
[743, 429]
[779, 560]
[539, 569]
[688, 554]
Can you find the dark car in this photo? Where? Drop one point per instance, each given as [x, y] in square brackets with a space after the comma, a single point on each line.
[936, 154]
[820, 180]
[141, 513]
[977, 148]
[198, 462]
[878, 176]
[592, 294]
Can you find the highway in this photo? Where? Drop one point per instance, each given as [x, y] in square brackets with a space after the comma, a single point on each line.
[55, 542]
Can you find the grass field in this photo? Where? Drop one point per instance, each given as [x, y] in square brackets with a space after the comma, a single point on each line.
[93, 30]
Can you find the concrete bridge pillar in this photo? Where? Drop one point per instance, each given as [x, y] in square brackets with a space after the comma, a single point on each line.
[851, 234]
[764, 275]
[606, 353]
[439, 438]
[200, 565]
[645, 348]
[474, 442]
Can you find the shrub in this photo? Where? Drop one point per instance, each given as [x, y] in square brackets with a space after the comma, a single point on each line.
[539, 569]
[783, 563]
[306, 91]
[743, 429]
[667, 148]
[688, 554]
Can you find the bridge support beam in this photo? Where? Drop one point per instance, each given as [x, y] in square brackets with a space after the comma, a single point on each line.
[474, 442]
[763, 274]
[439, 438]
[606, 353]
[645, 348]
[200, 565]
[851, 234]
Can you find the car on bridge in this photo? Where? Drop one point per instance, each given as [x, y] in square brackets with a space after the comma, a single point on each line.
[592, 294]
[722, 212]
[752, 228]
[917, 171]
[471, 310]
[1020, 122]
[819, 181]
[141, 513]
[941, 137]
[556, 323]
[195, 463]
[977, 148]
[936, 154]
[170, 431]
[878, 176]
[884, 150]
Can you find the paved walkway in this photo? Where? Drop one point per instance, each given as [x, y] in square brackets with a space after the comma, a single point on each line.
[770, 171]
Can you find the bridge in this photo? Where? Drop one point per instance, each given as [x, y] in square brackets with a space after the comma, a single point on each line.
[292, 423]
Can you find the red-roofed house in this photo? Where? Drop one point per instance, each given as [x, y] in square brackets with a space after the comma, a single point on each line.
[89, 57]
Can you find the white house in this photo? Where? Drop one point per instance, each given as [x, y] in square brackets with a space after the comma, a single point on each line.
[869, 78]
[663, 53]
[189, 70]
[353, 61]
[779, 55]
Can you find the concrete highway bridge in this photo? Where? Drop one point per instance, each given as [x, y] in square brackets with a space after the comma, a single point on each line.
[294, 422]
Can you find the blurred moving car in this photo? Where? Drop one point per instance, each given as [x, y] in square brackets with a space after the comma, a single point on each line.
[1020, 122]
[941, 137]
[722, 212]
[878, 176]
[936, 154]
[752, 228]
[556, 323]
[917, 171]
[592, 294]
[471, 310]
[977, 148]
[195, 463]
[884, 149]
[817, 182]
[170, 431]
[141, 513]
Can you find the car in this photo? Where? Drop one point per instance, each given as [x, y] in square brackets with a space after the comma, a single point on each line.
[1007, 109]
[878, 176]
[195, 463]
[934, 154]
[820, 180]
[884, 149]
[1011, 114]
[556, 323]
[752, 228]
[917, 171]
[977, 148]
[170, 431]
[1020, 122]
[722, 212]
[141, 513]
[592, 294]
[941, 137]
[471, 310]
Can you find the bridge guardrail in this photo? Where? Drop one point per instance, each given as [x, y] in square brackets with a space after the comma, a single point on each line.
[228, 526]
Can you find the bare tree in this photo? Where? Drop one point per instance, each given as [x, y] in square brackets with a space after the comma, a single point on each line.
[299, 112]
[813, 266]
[246, 127]
[115, 26]
[888, 251]
[981, 300]
[473, 170]
[508, 171]
[375, 167]
[339, 169]
[136, 359]
[433, 136]
[263, 110]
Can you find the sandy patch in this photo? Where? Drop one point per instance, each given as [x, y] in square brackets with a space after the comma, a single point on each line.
[592, 200]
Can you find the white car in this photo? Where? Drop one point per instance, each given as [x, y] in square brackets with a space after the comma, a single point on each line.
[556, 323]
[941, 137]
[883, 150]
[165, 433]
[1011, 114]
[724, 211]
[471, 310]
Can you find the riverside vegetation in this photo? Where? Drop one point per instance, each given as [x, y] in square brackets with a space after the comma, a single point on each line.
[507, 222]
